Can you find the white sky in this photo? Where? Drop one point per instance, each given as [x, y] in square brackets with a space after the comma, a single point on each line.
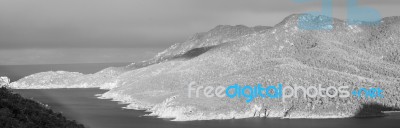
[49, 24]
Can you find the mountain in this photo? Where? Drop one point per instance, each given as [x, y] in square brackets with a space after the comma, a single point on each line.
[347, 55]
[19, 112]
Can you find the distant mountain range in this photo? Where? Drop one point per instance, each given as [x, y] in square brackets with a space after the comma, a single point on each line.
[353, 55]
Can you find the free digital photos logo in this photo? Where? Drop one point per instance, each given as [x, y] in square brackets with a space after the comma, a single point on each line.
[283, 92]
[356, 15]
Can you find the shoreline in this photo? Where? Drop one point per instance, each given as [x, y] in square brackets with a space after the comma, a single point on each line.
[153, 112]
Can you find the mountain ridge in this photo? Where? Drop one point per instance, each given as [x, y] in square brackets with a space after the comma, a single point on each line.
[353, 55]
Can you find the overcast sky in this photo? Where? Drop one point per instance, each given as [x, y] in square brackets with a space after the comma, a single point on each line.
[28, 24]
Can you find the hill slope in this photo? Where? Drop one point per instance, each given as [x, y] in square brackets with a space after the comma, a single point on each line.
[18, 112]
[356, 56]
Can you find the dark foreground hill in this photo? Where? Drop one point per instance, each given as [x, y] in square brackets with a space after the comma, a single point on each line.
[18, 112]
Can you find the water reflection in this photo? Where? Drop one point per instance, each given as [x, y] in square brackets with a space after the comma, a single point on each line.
[83, 106]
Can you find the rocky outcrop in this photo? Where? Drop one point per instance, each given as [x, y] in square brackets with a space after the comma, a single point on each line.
[4, 81]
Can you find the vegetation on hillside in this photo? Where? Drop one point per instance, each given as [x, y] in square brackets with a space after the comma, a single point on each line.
[18, 112]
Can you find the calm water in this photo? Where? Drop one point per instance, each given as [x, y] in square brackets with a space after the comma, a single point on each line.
[83, 106]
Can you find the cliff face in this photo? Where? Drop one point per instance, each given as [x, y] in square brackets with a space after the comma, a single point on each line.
[4, 81]
[356, 56]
